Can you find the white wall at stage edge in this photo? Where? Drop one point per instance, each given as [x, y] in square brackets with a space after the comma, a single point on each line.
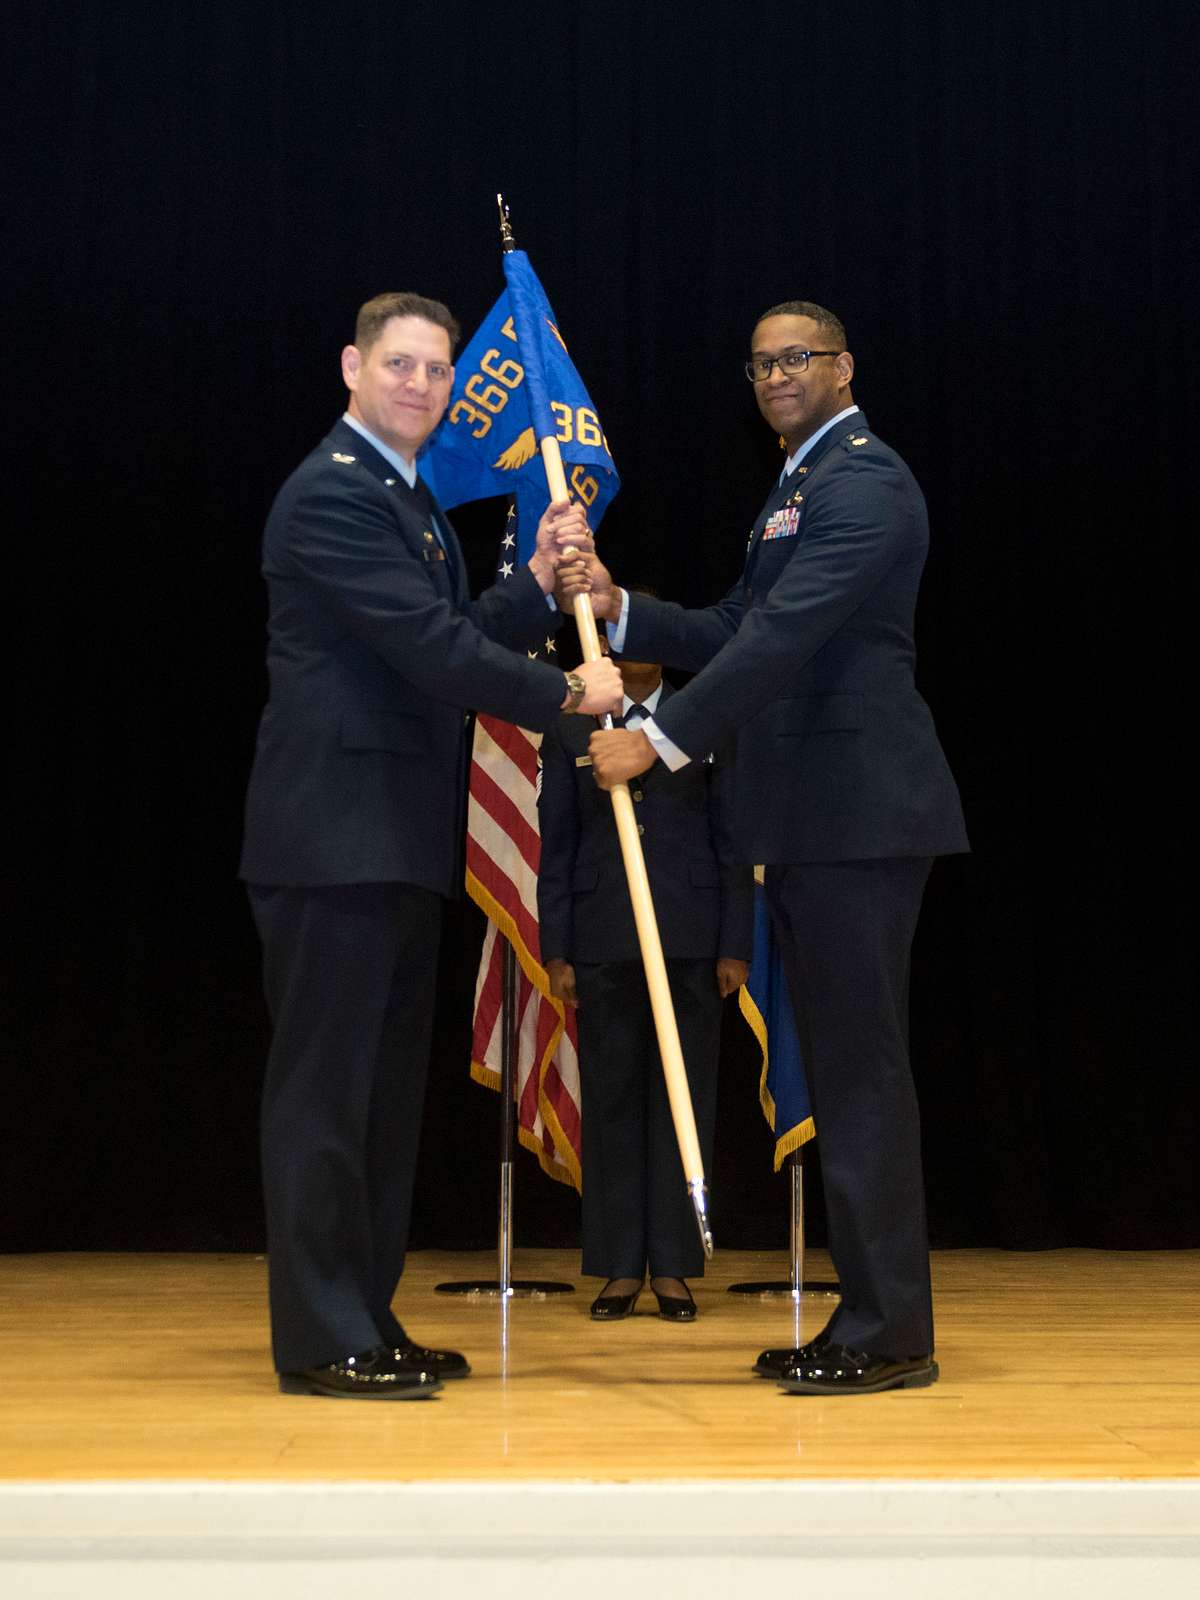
[1106, 1540]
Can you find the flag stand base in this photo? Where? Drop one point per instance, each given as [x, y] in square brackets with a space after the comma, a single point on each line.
[796, 1287]
[779, 1289]
[519, 1289]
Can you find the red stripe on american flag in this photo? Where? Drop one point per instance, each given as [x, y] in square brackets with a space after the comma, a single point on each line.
[487, 1008]
[502, 889]
[515, 743]
[503, 810]
[565, 1108]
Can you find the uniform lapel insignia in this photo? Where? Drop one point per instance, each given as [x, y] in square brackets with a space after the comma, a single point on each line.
[432, 551]
[342, 460]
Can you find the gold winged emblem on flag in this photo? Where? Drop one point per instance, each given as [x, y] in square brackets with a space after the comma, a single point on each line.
[522, 449]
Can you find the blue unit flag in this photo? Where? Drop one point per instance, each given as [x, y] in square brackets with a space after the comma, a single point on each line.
[767, 1007]
[515, 384]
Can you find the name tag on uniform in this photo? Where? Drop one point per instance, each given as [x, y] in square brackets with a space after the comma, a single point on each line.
[784, 524]
[583, 761]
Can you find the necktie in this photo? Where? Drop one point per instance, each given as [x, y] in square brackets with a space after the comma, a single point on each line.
[635, 716]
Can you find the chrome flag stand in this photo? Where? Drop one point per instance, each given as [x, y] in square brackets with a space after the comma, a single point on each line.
[506, 1287]
[796, 1287]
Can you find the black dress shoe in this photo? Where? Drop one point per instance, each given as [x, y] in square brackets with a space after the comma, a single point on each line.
[415, 1357]
[612, 1307]
[833, 1369]
[376, 1374]
[674, 1309]
[773, 1363]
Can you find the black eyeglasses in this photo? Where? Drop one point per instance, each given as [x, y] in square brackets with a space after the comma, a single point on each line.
[758, 368]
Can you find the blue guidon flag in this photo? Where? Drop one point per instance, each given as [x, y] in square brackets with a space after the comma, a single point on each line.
[767, 1007]
[513, 385]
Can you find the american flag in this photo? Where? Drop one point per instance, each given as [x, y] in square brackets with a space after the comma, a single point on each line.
[503, 851]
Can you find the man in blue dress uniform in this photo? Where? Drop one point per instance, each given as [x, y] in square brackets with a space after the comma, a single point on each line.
[354, 823]
[842, 791]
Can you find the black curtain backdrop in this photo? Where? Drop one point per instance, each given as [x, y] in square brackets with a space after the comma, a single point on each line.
[1001, 204]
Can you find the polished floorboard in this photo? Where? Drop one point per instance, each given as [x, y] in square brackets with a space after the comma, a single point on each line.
[1065, 1365]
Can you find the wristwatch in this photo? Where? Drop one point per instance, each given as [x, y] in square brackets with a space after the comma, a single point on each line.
[576, 688]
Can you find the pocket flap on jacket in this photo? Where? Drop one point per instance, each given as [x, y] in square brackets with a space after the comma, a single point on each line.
[384, 730]
[704, 874]
[584, 878]
[822, 713]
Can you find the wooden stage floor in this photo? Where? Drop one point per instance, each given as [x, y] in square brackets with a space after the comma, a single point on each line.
[1065, 1365]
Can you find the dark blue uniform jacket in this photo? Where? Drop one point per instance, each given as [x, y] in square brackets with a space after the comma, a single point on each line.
[836, 754]
[376, 652]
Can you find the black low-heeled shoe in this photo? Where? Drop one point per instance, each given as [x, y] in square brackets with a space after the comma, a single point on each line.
[612, 1307]
[674, 1309]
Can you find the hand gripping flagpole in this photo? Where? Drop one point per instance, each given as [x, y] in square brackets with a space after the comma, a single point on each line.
[669, 1048]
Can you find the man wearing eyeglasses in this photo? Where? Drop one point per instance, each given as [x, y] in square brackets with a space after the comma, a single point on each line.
[842, 790]
[354, 823]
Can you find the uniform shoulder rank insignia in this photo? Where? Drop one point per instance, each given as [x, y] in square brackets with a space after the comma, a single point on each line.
[860, 438]
[345, 461]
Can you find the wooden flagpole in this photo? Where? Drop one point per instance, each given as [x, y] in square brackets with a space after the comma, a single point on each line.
[669, 1048]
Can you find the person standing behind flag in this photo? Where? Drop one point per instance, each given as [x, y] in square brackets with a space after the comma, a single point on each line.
[354, 822]
[637, 1214]
[843, 792]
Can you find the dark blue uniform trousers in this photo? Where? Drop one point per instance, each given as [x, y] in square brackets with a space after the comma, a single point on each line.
[349, 973]
[846, 931]
[636, 1206]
